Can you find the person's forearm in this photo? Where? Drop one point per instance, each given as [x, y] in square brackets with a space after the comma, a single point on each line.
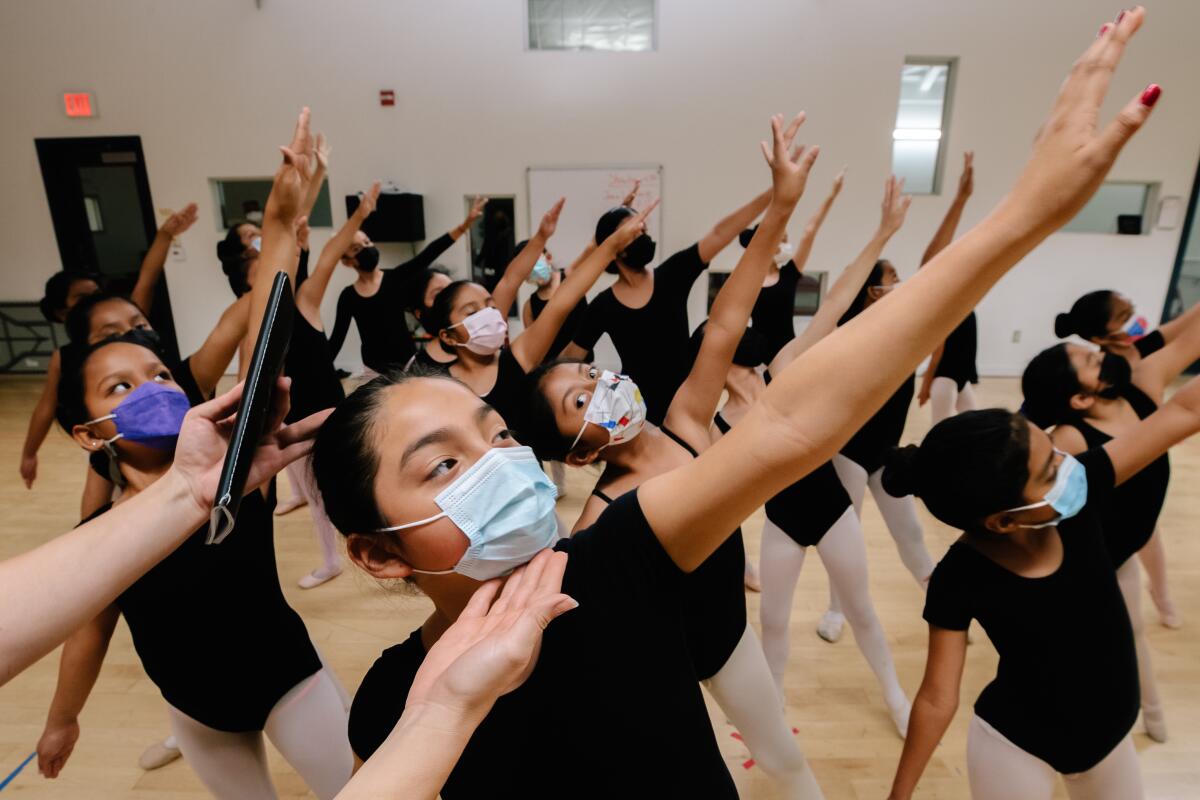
[731, 309]
[314, 191]
[313, 290]
[926, 725]
[53, 589]
[39, 425]
[729, 227]
[945, 232]
[517, 271]
[151, 270]
[811, 229]
[78, 669]
[418, 755]
[931, 370]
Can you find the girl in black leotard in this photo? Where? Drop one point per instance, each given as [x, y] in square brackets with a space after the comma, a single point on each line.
[860, 462]
[1037, 567]
[1091, 397]
[816, 511]
[951, 372]
[202, 608]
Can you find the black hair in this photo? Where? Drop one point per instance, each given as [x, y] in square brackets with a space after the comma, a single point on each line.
[752, 348]
[416, 297]
[79, 318]
[234, 258]
[437, 316]
[860, 299]
[969, 466]
[58, 286]
[538, 425]
[70, 409]
[1048, 383]
[1088, 317]
[745, 236]
[345, 459]
[607, 225]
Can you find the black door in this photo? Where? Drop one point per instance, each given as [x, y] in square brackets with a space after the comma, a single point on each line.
[1184, 291]
[103, 216]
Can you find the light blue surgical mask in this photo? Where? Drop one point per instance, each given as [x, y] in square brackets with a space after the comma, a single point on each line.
[256, 243]
[1067, 496]
[541, 271]
[504, 504]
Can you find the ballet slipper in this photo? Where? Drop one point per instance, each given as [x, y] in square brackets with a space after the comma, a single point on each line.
[1155, 722]
[290, 505]
[158, 755]
[318, 576]
[750, 578]
[1168, 612]
[831, 625]
[900, 715]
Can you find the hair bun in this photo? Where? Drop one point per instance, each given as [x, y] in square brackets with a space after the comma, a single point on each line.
[1064, 326]
[900, 471]
[745, 236]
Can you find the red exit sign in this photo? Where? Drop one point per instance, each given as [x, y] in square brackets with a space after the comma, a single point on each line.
[79, 104]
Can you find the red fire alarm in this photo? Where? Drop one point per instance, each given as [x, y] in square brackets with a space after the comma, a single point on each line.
[79, 104]
[387, 97]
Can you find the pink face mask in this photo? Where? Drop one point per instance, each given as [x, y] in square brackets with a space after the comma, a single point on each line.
[486, 331]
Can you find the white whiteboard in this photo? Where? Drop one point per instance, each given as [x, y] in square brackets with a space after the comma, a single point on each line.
[590, 191]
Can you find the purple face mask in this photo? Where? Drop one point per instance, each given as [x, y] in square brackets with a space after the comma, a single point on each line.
[152, 415]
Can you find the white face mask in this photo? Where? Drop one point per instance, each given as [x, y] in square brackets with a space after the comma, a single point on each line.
[617, 406]
[504, 504]
[785, 253]
[486, 331]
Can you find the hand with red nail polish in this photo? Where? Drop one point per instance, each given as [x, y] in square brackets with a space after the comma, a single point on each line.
[1072, 154]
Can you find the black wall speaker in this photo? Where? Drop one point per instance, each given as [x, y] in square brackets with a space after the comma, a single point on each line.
[1129, 224]
[398, 217]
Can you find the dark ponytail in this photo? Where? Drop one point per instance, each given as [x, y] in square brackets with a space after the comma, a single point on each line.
[1088, 317]
[969, 466]
[1048, 384]
[54, 294]
[860, 299]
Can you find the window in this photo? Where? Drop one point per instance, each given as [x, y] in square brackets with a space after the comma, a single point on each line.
[241, 199]
[616, 25]
[921, 123]
[1116, 207]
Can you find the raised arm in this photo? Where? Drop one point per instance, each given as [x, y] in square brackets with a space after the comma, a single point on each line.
[691, 411]
[517, 271]
[209, 363]
[78, 668]
[40, 420]
[1182, 336]
[727, 229]
[795, 428]
[945, 232]
[311, 292]
[49, 592]
[933, 708]
[431, 251]
[849, 283]
[321, 152]
[813, 226]
[156, 257]
[341, 323]
[1176, 420]
[533, 343]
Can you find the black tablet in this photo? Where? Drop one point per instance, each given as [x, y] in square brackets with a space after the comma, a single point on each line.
[265, 366]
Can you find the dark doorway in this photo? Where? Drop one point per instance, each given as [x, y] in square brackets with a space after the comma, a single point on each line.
[99, 198]
[1184, 291]
[493, 239]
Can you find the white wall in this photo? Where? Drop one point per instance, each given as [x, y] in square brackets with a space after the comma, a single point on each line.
[212, 88]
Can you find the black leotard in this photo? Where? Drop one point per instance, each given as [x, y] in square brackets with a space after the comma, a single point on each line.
[958, 354]
[1066, 689]
[212, 628]
[1133, 511]
[567, 332]
[807, 509]
[713, 598]
[882, 432]
[563, 734]
[382, 327]
[775, 310]
[315, 384]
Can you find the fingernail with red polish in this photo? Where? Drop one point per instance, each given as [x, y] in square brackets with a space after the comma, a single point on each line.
[1151, 95]
[1103, 30]
[1120, 16]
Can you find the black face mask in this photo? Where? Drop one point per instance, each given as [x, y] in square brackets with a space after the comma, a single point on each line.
[640, 252]
[368, 258]
[1115, 374]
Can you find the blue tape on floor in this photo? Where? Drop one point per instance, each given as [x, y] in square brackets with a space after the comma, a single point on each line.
[16, 771]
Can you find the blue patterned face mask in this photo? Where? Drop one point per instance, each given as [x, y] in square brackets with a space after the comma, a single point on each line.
[1135, 327]
[1067, 496]
[504, 504]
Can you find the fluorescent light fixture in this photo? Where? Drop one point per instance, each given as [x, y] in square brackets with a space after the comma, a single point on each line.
[916, 134]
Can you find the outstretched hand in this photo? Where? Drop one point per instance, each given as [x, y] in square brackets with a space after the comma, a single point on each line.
[630, 229]
[1072, 154]
[181, 220]
[368, 200]
[838, 181]
[493, 646]
[294, 174]
[476, 211]
[204, 440]
[789, 171]
[550, 220]
[322, 151]
[895, 205]
[632, 196]
[966, 181]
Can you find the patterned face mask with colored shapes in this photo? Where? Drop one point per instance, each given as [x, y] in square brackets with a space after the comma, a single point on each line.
[617, 406]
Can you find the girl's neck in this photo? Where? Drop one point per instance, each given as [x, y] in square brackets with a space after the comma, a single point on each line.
[1105, 409]
[545, 292]
[471, 362]
[367, 279]
[141, 477]
[627, 456]
[635, 277]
